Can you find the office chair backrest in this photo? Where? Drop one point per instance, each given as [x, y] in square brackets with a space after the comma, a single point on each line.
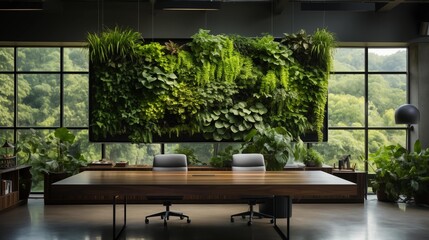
[248, 162]
[170, 162]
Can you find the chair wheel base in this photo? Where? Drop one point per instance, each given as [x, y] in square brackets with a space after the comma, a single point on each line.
[188, 221]
[146, 221]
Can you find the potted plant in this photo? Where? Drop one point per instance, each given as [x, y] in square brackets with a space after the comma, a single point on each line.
[52, 156]
[386, 183]
[401, 173]
[274, 143]
[313, 158]
[413, 172]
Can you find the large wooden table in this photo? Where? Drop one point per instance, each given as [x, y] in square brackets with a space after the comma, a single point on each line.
[148, 183]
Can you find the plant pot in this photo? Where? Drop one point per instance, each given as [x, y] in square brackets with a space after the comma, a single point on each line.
[283, 207]
[421, 198]
[383, 197]
[49, 196]
[24, 188]
[25, 182]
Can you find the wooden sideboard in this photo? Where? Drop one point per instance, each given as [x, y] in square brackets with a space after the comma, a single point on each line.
[361, 180]
[15, 186]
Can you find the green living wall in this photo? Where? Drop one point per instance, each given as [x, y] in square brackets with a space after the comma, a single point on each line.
[211, 88]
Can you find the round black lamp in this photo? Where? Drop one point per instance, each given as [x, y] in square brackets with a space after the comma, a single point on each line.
[407, 114]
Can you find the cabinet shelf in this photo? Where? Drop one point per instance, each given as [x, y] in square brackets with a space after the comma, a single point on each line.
[20, 179]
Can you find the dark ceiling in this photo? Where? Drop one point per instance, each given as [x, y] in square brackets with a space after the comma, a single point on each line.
[306, 5]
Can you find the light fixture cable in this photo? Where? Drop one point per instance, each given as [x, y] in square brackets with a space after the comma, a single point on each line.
[293, 17]
[152, 2]
[272, 18]
[138, 15]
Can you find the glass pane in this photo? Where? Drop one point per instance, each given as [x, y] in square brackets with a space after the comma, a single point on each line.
[349, 59]
[76, 59]
[90, 151]
[38, 59]
[378, 138]
[386, 92]
[6, 100]
[346, 103]
[75, 100]
[134, 154]
[38, 100]
[197, 153]
[343, 142]
[6, 59]
[387, 59]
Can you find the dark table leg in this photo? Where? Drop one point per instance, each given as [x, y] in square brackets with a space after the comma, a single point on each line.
[276, 227]
[114, 217]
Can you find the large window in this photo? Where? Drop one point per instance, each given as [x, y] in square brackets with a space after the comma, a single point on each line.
[47, 87]
[44, 88]
[365, 88]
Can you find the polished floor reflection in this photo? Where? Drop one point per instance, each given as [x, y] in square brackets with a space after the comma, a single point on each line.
[372, 220]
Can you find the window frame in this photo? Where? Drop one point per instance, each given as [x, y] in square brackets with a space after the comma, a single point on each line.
[367, 73]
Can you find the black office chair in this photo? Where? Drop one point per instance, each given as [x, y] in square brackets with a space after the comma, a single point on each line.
[168, 162]
[250, 162]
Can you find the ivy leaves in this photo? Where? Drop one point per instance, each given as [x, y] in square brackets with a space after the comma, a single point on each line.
[232, 123]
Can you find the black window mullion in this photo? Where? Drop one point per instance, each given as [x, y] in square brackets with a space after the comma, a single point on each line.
[366, 108]
[61, 86]
[407, 132]
[15, 95]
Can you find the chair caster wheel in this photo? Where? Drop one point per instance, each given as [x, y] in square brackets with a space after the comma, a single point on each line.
[249, 223]
[146, 221]
[188, 221]
[232, 219]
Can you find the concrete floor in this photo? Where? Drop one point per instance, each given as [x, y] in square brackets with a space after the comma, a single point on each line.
[372, 220]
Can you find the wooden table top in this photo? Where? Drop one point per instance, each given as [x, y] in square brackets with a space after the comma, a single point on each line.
[291, 183]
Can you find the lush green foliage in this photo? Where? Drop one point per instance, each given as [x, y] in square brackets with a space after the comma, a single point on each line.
[55, 152]
[113, 45]
[400, 172]
[224, 157]
[274, 143]
[313, 158]
[215, 85]
[190, 156]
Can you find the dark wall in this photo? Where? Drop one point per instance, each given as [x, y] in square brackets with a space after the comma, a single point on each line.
[70, 21]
